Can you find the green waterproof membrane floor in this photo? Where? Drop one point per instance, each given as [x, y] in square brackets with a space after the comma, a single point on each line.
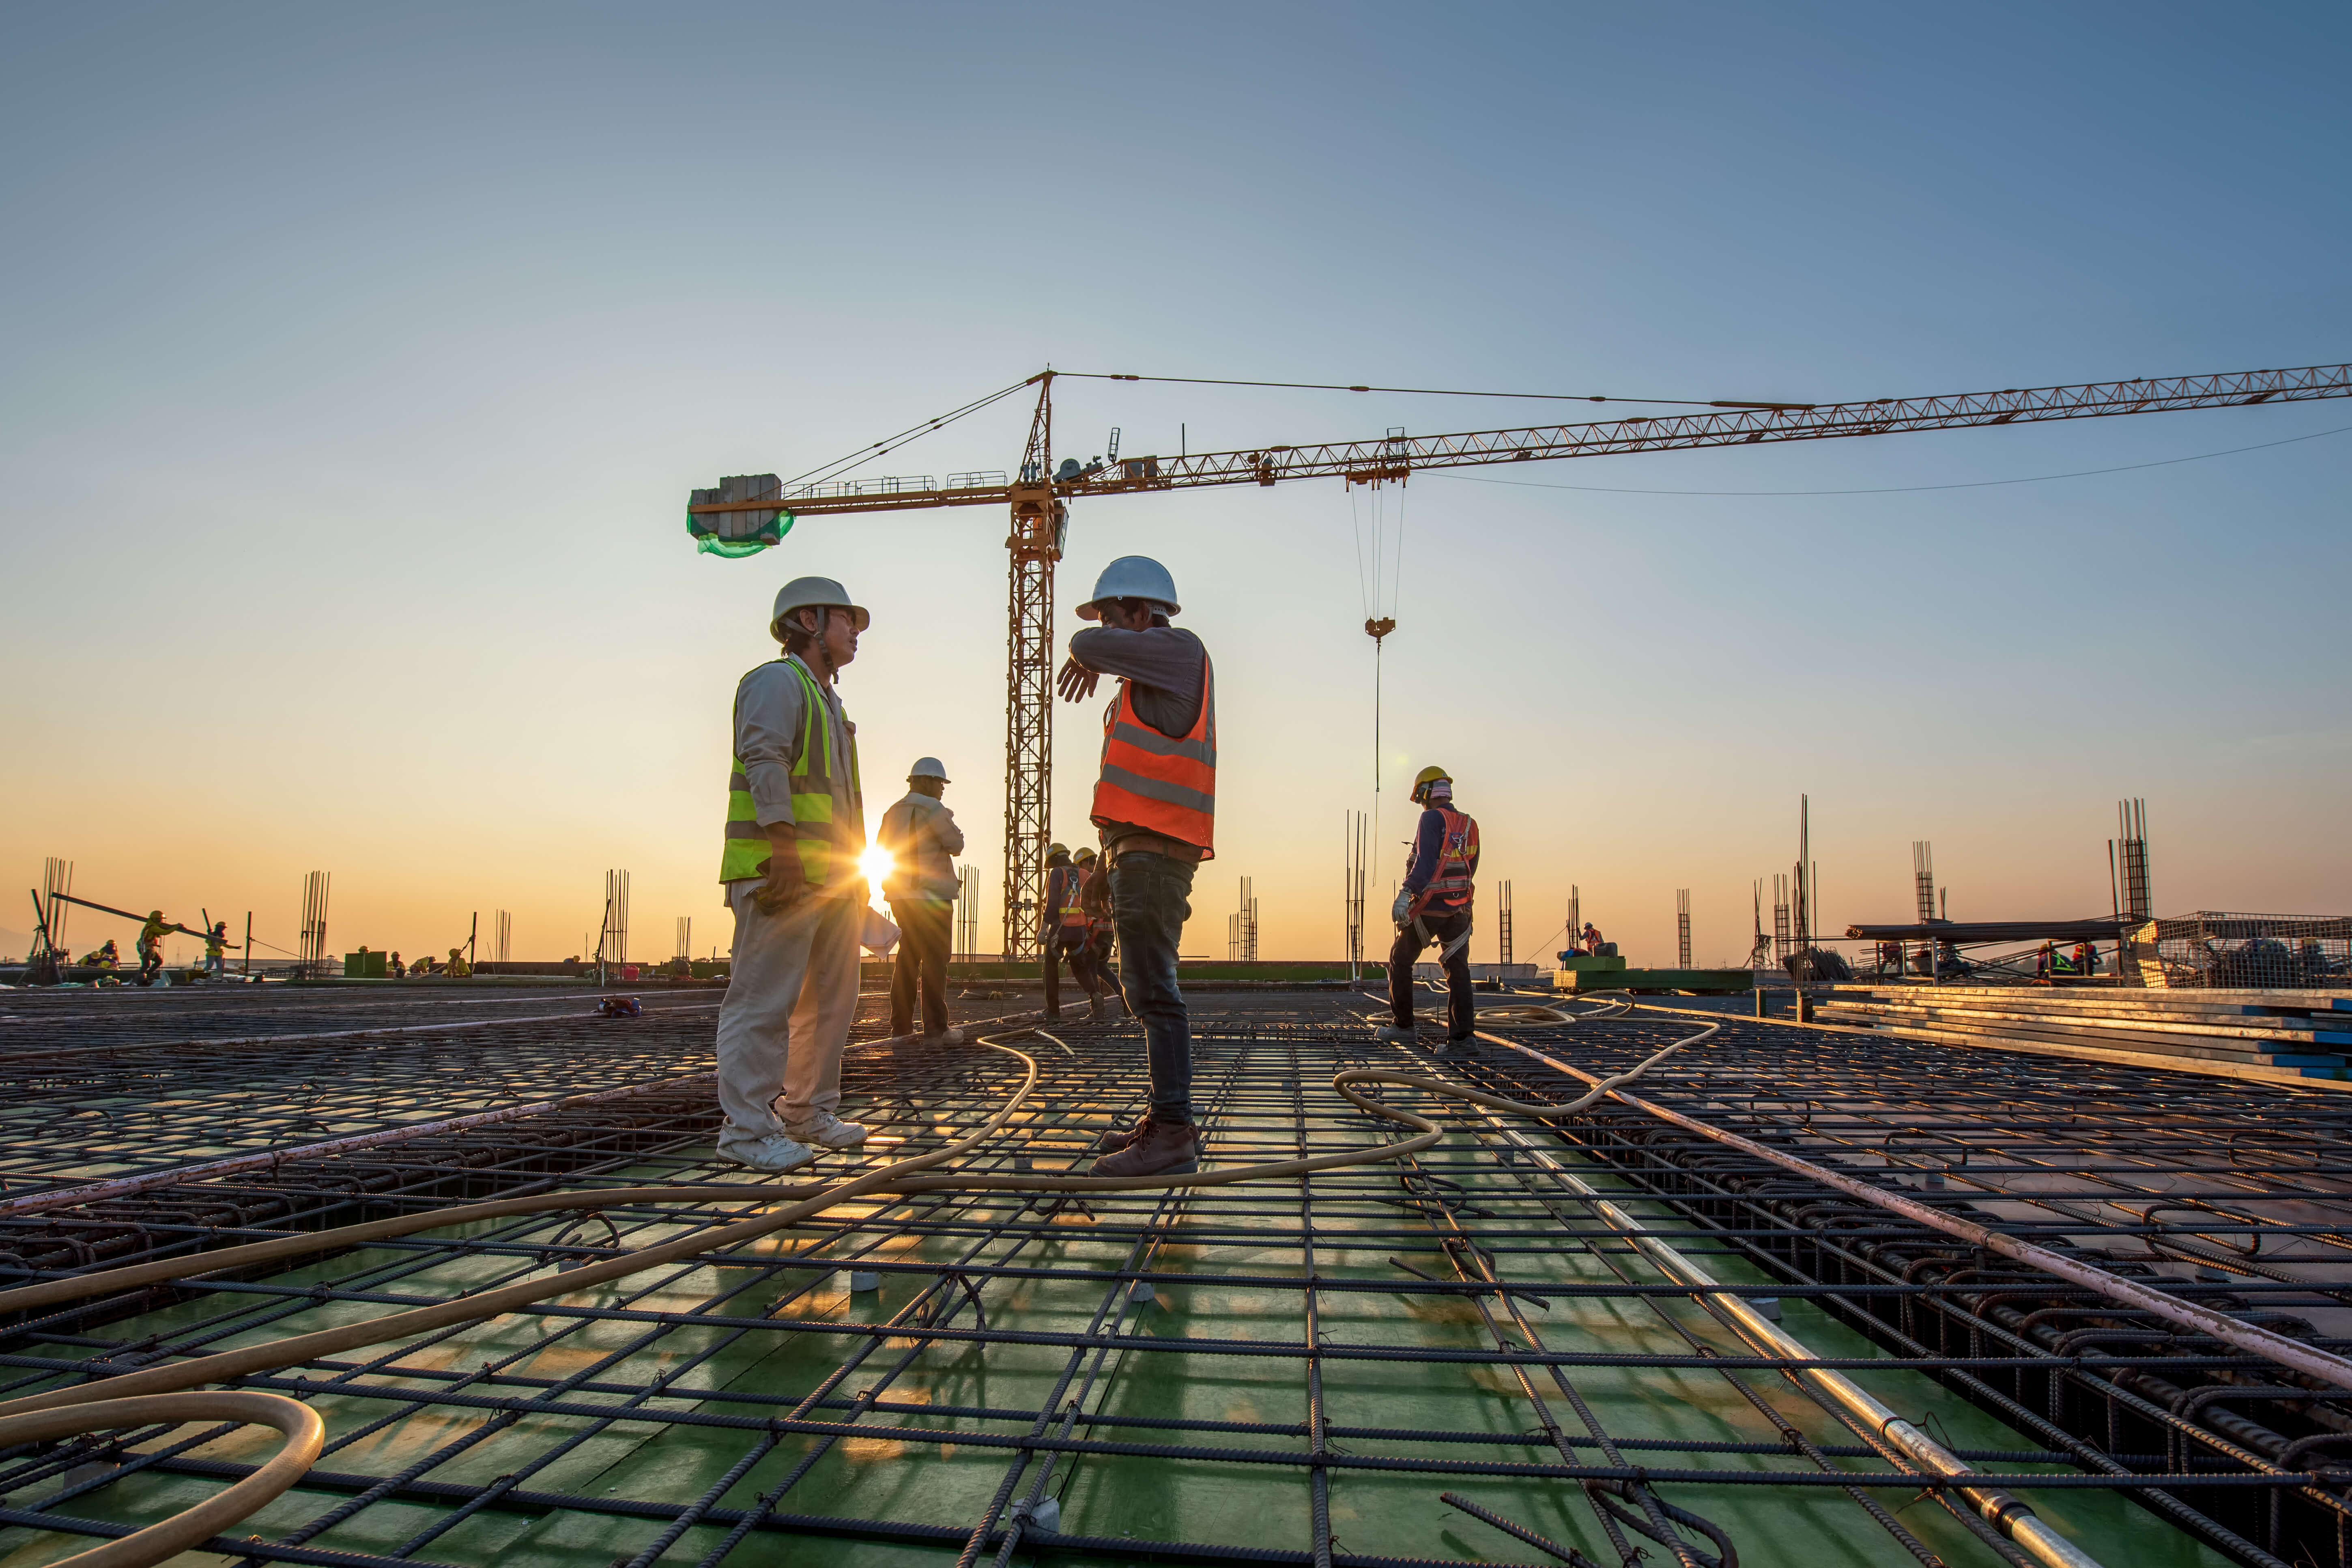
[1295, 1370]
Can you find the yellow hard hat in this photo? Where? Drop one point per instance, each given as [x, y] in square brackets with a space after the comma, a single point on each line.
[1427, 776]
[1057, 849]
[1083, 855]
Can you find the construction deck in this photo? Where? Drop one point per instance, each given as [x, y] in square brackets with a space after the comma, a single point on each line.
[1317, 1370]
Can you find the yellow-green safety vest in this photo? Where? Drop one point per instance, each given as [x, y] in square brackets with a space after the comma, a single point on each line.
[828, 846]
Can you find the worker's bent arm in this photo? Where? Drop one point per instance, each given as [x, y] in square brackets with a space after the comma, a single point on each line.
[1162, 657]
[769, 709]
[1428, 844]
[951, 836]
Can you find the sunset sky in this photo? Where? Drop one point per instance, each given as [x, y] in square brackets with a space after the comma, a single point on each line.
[359, 361]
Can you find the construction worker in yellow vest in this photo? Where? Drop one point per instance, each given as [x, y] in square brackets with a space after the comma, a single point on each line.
[150, 945]
[795, 828]
[458, 968]
[216, 950]
[394, 967]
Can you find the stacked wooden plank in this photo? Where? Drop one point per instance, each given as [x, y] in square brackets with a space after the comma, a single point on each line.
[2259, 1033]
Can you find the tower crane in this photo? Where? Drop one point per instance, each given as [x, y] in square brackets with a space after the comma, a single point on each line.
[748, 512]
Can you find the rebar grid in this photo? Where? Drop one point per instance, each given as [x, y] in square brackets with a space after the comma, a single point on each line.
[1252, 1372]
[74, 1117]
[82, 1022]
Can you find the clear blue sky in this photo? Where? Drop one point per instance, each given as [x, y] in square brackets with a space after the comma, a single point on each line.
[358, 358]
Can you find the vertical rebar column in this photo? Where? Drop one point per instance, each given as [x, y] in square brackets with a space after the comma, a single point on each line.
[1923, 887]
[1575, 915]
[2138, 902]
[502, 937]
[1351, 891]
[56, 886]
[1503, 923]
[685, 936]
[967, 912]
[613, 941]
[311, 959]
[1682, 927]
[1781, 937]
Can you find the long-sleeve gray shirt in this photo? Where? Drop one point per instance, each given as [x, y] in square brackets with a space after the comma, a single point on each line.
[769, 709]
[1164, 662]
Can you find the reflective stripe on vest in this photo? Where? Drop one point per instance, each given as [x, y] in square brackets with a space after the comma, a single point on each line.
[828, 847]
[1161, 784]
[1450, 887]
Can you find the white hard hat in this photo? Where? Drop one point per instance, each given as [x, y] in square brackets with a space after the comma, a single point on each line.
[927, 768]
[806, 593]
[1132, 577]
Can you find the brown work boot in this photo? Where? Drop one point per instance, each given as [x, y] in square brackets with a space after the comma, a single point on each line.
[1112, 1142]
[1159, 1149]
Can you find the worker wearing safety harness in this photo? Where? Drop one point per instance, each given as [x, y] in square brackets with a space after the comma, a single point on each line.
[1155, 804]
[795, 826]
[1068, 933]
[921, 834]
[1434, 906]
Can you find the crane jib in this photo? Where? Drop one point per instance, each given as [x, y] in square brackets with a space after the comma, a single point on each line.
[1390, 459]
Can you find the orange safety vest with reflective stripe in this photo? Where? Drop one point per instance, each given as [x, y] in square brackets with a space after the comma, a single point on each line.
[1163, 785]
[1449, 887]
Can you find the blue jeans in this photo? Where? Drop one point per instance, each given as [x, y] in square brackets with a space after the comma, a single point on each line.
[1150, 900]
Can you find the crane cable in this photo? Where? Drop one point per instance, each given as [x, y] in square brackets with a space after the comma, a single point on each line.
[169, 1392]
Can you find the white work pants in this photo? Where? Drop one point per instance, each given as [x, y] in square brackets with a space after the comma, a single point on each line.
[791, 998]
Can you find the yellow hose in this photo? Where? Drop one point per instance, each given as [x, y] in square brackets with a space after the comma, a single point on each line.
[158, 1393]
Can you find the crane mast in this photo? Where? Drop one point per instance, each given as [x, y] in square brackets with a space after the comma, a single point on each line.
[1039, 505]
[1039, 520]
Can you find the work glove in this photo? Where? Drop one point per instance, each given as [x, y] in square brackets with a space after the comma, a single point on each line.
[1401, 910]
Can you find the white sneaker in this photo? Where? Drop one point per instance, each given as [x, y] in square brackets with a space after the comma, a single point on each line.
[827, 1131]
[775, 1153]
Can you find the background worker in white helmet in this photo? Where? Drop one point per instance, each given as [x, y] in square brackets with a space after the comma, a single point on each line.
[795, 826]
[1433, 905]
[1154, 805]
[922, 837]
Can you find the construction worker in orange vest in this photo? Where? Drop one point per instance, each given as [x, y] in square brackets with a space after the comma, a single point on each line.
[1433, 905]
[1155, 804]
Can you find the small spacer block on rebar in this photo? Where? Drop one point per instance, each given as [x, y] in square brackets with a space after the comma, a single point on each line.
[1140, 1291]
[862, 1279]
[1769, 1306]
